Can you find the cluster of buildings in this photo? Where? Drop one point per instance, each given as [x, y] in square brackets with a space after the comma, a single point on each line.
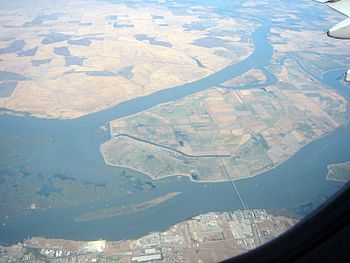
[209, 237]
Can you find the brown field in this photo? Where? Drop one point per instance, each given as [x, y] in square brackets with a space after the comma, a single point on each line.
[126, 51]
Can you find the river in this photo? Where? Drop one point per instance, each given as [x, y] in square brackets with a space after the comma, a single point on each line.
[301, 179]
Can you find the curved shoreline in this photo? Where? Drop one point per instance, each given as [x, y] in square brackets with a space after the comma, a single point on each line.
[330, 172]
[331, 73]
[86, 125]
[124, 210]
[258, 58]
[218, 181]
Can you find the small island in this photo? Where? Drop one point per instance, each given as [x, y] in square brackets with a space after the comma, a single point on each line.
[339, 172]
[125, 209]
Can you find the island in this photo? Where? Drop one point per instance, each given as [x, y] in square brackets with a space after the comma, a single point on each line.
[125, 209]
[339, 172]
[227, 133]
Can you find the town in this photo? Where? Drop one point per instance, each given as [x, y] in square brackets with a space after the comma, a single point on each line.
[209, 237]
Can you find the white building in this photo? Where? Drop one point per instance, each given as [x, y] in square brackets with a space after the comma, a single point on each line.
[146, 258]
[347, 76]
